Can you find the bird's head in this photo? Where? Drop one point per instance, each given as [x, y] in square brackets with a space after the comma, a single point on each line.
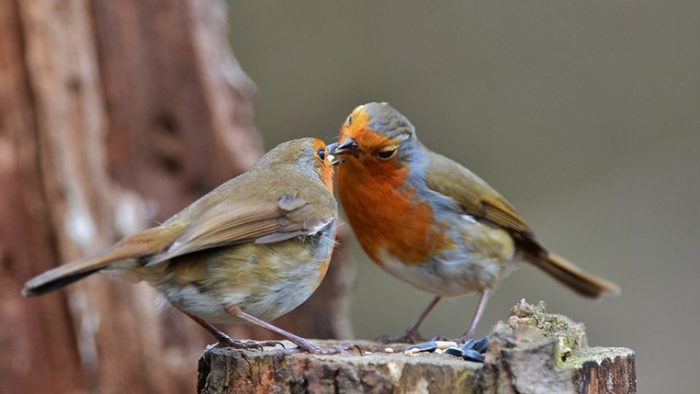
[377, 137]
[308, 155]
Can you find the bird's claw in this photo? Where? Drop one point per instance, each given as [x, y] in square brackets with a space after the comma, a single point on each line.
[322, 351]
[410, 336]
[246, 345]
[271, 344]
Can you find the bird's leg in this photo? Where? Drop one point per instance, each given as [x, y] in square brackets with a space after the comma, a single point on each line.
[225, 340]
[303, 344]
[470, 349]
[473, 349]
[477, 315]
[412, 335]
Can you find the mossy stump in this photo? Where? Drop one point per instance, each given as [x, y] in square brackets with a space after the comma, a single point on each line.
[530, 352]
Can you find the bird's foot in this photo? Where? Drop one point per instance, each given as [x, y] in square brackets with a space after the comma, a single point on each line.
[410, 336]
[307, 346]
[229, 342]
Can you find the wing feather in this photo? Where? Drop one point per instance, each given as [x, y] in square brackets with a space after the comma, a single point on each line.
[265, 222]
[474, 196]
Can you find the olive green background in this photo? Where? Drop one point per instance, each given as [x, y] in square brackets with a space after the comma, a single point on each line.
[585, 115]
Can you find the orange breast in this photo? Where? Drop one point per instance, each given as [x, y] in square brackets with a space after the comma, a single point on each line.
[385, 215]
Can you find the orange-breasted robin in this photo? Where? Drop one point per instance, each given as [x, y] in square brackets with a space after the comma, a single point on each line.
[249, 251]
[431, 222]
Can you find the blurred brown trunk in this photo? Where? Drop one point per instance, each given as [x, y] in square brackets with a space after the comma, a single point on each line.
[113, 115]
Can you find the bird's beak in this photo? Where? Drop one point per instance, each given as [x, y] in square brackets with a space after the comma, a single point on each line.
[335, 160]
[347, 146]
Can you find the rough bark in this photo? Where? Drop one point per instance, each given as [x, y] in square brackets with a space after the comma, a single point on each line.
[27, 244]
[531, 352]
[179, 105]
[114, 114]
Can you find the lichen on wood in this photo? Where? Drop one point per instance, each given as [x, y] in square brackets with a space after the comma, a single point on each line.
[536, 351]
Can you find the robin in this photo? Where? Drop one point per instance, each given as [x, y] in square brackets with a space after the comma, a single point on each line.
[249, 251]
[431, 222]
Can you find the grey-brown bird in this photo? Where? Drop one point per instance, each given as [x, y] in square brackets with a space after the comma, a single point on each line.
[249, 251]
[428, 220]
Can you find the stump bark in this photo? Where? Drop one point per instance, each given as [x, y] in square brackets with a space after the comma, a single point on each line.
[530, 352]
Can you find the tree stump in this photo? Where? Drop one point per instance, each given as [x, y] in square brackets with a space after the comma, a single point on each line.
[532, 351]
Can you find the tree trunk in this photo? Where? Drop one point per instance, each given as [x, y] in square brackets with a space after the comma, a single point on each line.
[113, 115]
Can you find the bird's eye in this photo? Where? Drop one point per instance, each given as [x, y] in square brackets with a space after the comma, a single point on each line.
[321, 153]
[387, 153]
[349, 121]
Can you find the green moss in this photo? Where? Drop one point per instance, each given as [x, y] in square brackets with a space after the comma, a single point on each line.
[570, 336]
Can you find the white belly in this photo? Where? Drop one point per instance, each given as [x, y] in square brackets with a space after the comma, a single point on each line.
[446, 280]
[276, 300]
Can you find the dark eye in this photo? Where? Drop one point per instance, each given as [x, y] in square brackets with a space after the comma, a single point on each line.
[386, 154]
[321, 153]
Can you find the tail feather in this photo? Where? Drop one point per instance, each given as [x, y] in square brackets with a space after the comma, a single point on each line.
[55, 279]
[566, 272]
[148, 242]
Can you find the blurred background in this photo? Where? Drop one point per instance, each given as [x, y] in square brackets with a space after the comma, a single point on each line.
[585, 115]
